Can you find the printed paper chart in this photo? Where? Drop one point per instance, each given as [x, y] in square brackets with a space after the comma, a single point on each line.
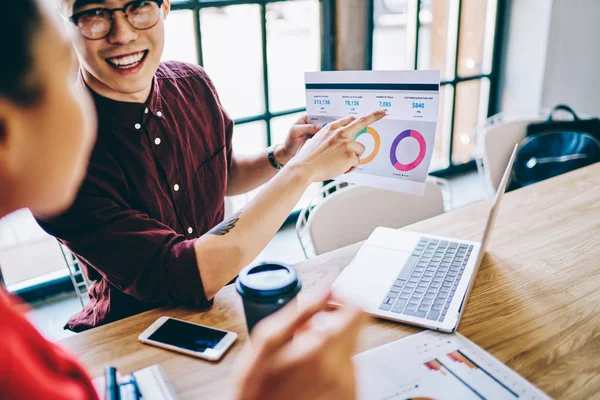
[394, 150]
[432, 365]
[399, 147]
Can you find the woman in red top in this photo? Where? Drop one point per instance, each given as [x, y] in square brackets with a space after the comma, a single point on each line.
[46, 136]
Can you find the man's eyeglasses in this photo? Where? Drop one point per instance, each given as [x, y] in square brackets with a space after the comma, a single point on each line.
[97, 23]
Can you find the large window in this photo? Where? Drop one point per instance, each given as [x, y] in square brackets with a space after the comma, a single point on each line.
[457, 37]
[256, 53]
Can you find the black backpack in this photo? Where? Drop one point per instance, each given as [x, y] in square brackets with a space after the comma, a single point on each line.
[551, 148]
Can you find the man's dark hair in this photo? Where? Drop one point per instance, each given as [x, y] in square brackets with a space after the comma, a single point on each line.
[20, 18]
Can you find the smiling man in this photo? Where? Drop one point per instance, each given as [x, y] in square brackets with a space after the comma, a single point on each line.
[147, 224]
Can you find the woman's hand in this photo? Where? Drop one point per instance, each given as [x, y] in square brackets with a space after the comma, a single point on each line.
[301, 355]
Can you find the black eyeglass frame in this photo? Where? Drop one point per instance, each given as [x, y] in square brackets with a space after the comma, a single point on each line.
[75, 17]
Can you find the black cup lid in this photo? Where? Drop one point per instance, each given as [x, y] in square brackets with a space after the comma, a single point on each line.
[267, 279]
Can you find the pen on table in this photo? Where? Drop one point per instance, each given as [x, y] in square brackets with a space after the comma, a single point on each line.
[112, 387]
[134, 390]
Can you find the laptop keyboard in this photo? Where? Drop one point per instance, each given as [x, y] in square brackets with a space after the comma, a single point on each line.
[427, 283]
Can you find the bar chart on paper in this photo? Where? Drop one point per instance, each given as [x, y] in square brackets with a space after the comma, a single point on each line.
[432, 365]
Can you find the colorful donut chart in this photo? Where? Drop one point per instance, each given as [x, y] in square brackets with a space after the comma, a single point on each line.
[422, 150]
[370, 131]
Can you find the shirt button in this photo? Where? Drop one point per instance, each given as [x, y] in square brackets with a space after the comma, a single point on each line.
[159, 114]
[190, 230]
[176, 187]
[138, 126]
[146, 110]
[157, 141]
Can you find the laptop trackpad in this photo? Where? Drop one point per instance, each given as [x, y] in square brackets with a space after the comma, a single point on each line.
[370, 276]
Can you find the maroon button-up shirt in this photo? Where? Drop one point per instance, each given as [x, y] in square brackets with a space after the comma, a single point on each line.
[156, 181]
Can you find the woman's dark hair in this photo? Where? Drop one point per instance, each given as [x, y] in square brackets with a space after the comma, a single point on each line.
[20, 18]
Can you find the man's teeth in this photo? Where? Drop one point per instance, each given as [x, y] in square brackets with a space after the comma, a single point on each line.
[127, 61]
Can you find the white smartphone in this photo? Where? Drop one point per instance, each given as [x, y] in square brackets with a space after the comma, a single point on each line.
[188, 338]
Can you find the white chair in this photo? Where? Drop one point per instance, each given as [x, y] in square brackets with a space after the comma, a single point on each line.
[496, 139]
[80, 282]
[342, 214]
[495, 142]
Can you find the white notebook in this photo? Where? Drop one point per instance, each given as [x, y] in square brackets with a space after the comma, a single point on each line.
[433, 365]
[154, 385]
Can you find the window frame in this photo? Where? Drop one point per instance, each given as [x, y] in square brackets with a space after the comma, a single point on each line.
[493, 75]
[327, 46]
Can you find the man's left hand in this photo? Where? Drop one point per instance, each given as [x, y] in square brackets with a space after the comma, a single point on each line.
[299, 133]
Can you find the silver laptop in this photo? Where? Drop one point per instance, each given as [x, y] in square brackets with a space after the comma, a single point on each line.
[414, 278]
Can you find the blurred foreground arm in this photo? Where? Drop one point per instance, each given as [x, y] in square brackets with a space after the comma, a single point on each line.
[302, 355]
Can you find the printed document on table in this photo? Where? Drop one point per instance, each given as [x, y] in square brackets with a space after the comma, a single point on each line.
[434, 365]
[399, 147]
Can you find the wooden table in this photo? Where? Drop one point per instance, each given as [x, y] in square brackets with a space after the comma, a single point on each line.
[535, 304]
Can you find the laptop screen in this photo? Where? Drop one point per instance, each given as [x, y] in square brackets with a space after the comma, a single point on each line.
[496, 204]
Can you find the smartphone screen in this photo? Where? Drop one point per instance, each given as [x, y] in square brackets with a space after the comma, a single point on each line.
[188, 336]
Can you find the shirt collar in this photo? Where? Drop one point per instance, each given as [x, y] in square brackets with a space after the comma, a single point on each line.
[120, 113]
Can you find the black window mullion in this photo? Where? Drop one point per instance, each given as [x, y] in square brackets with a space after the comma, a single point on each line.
[226, 3]
[454, 84]
[287, 112]
[198, 33]
[417, 34]
[370, 27]
[183, 6]
[328, 35]
[265, 61]
[496, 57]
[465, 79]
[264, 117]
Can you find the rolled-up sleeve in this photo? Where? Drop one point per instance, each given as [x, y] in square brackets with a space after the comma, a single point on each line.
[138, 255]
